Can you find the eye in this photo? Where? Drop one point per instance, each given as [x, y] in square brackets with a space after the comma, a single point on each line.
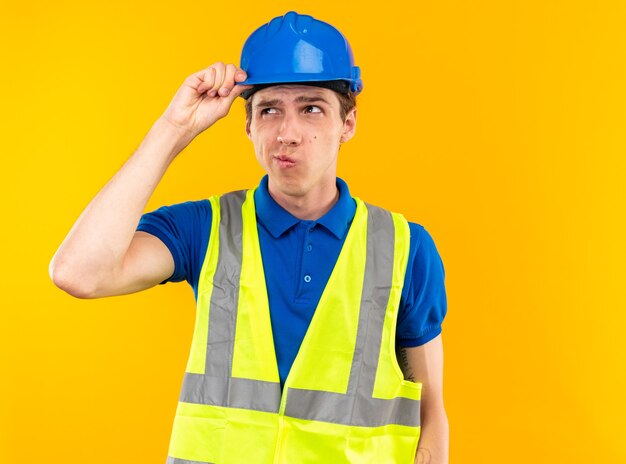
[313, 109]
[269, 111]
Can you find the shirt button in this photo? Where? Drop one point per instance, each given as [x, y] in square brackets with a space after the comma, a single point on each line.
[311, 228]
[309, 247]
[307, 278]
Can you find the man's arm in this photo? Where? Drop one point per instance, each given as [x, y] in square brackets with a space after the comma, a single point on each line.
[425, 364]
[103, 255]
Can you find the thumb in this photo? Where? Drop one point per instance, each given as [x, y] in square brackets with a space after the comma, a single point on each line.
[238, 90]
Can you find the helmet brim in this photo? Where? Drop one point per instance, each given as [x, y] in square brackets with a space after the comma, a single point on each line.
[340, 86]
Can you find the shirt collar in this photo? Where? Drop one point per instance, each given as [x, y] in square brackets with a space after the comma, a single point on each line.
[277, 220]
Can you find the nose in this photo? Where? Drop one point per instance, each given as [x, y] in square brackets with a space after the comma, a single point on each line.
[287, 140]
[289, 133]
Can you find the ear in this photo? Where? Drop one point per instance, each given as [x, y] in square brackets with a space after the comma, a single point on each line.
[349, 126]
[248, 128]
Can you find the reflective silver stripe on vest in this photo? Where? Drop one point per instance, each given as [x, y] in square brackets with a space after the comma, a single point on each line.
[225, 295]
[171, 460]
[345, 409]
[357, 406]
[233, 392]
[217, 386]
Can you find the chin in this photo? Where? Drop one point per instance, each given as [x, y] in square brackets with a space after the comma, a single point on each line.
[293, 190]
[291, 187]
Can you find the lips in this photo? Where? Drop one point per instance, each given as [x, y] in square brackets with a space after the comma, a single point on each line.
[285, 161]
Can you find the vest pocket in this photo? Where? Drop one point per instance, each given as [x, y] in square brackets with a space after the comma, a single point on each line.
[312, 442]
[196, 434]
[391, 444]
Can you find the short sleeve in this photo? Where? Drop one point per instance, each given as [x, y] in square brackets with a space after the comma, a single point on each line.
[184, 228]
[423, 304]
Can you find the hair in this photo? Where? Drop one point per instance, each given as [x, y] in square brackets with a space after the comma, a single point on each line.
[347, 102]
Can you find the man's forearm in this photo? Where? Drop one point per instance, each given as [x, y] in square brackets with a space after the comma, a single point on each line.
[102, 234]
[434, 439]
[424, 364]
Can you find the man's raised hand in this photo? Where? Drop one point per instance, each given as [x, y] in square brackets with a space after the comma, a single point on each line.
[205, 97]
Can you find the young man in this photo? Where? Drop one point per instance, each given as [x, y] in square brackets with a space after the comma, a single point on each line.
[303, 293]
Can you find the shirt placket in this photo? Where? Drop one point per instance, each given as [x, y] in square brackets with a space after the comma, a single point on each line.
[307, 272]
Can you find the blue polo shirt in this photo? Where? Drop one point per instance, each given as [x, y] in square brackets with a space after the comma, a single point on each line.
[298, 258]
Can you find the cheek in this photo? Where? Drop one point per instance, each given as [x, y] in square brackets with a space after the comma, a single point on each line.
[260, 139]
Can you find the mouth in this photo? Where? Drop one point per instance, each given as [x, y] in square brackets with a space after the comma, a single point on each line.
[285, 161]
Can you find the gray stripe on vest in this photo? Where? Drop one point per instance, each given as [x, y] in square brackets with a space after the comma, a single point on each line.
[357, 406]
[171, 460]
[234, 392]
[351, 410]
[225, 295]
[376, 290]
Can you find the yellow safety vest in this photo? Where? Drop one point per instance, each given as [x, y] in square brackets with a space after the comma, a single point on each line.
[345, 399]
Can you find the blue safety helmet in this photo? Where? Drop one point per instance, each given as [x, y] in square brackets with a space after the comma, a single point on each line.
[299, 49]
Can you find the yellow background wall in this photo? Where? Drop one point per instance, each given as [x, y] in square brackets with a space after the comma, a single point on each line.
[498, 125]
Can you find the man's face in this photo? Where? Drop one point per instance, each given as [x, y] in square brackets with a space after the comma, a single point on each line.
[296, 131]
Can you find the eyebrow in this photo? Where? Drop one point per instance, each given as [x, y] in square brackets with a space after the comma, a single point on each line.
[314, 99]
[300, 99]
[267, 103]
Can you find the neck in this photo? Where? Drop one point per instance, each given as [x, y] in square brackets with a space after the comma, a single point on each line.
[310, 206]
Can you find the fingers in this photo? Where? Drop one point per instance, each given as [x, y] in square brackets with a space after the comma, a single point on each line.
[229, 81]
[219, 79]
[204, 79]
